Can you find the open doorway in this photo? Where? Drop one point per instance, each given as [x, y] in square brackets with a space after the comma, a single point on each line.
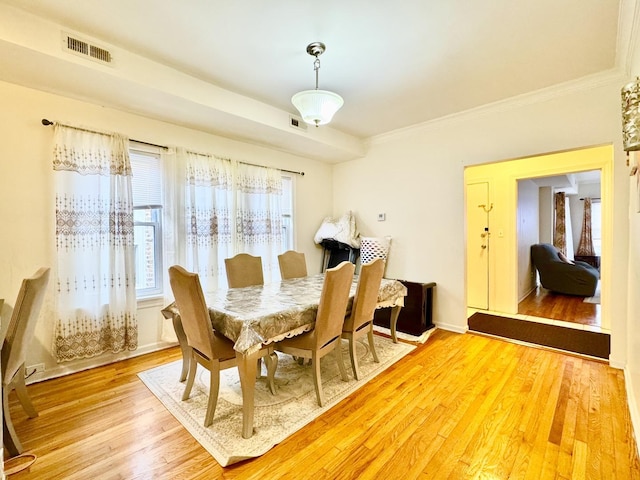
[580, 226]
[505, 248]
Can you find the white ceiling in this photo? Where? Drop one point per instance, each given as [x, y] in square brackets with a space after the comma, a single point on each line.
[396, 64]
[569, 180]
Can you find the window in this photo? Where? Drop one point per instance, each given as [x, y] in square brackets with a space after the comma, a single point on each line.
[287, 212]
[147, 218]
[596, 226]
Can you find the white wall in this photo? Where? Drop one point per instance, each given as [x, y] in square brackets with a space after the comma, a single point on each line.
[416, 177]
[528, 234]
[27, 208]
[632, 371]
[546, 215]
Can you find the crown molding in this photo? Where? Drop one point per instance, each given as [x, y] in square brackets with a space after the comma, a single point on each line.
[627, 41]
[613, 76]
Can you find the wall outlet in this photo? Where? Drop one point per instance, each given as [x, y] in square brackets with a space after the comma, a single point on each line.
[382, 217]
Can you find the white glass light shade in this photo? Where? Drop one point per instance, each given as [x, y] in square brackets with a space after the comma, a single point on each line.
[631, 116]
[317, 107]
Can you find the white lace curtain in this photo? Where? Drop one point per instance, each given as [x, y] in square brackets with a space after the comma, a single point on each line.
[259, 229]
[95, 298]
[223, 208]
[208, 215]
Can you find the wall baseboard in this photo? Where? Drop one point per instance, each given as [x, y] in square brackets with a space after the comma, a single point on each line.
[99, 361]
[528, 292]
[452, 328]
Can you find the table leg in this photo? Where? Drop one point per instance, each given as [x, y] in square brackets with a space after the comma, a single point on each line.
[247, 367]
[395, 311]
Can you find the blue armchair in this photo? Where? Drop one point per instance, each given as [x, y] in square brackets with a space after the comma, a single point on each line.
[577, 278]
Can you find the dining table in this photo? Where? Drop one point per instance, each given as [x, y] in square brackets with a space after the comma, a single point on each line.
[259, 315]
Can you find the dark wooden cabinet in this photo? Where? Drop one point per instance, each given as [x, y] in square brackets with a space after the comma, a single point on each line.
[593, 260]
[416, 317]
[334, 253]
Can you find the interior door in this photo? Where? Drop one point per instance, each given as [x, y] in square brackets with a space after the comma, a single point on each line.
[478, 245]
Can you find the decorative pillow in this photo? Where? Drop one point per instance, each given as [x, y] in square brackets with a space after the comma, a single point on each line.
[342, 229]
[564, 258]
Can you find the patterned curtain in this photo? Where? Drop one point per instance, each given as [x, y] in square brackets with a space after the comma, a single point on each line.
[208, 206]
[559, 230]
[259, 229]
[585, 247]
[95, 294]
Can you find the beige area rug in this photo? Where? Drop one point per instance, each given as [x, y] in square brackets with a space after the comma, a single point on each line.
[276, 417]
[405, 336]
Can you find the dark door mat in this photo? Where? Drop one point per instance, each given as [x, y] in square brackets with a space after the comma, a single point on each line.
[584, 342]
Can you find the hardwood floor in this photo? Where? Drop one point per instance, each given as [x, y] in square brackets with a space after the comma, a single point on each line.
[547, 304]
[460, 406]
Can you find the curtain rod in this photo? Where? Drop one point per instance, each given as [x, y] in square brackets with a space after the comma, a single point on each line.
[246, 163]
[46, 123]
[592, 198]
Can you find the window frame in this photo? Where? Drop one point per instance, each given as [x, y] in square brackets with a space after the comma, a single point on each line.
[157, 224]
[288, 211]
[157, 289]
[596, 240]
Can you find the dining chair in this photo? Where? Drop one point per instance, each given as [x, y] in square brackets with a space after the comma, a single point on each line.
[208, 348]
[244, 270]
[14, 350]
[292, 265]
[171, 312]
[325, 337]
[360, 322]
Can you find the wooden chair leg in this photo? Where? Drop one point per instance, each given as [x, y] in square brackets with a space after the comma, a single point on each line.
[214, 388]
[259, 369]
[371, 344]
[186, 361]
[338, 353]
[271, 361]
[193, 367]
[23, 395]
[317, 379]
[354, 357]
[184, 347]
[9, 436]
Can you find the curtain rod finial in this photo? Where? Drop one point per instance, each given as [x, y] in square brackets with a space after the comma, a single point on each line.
[46, 122]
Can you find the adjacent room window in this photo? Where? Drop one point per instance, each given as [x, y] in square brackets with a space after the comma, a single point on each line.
[147, 217]
[596, 226]
[287, 212]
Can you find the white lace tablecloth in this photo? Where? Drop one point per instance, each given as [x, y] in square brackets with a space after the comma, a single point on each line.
[262, 314]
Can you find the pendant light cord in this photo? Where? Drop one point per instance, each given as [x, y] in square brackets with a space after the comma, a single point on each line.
[316, 67]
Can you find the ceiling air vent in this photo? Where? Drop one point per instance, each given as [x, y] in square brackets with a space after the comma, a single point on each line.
[80, 47]
[297, 122]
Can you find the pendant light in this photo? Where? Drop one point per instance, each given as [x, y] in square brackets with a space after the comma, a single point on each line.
[317, 107]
